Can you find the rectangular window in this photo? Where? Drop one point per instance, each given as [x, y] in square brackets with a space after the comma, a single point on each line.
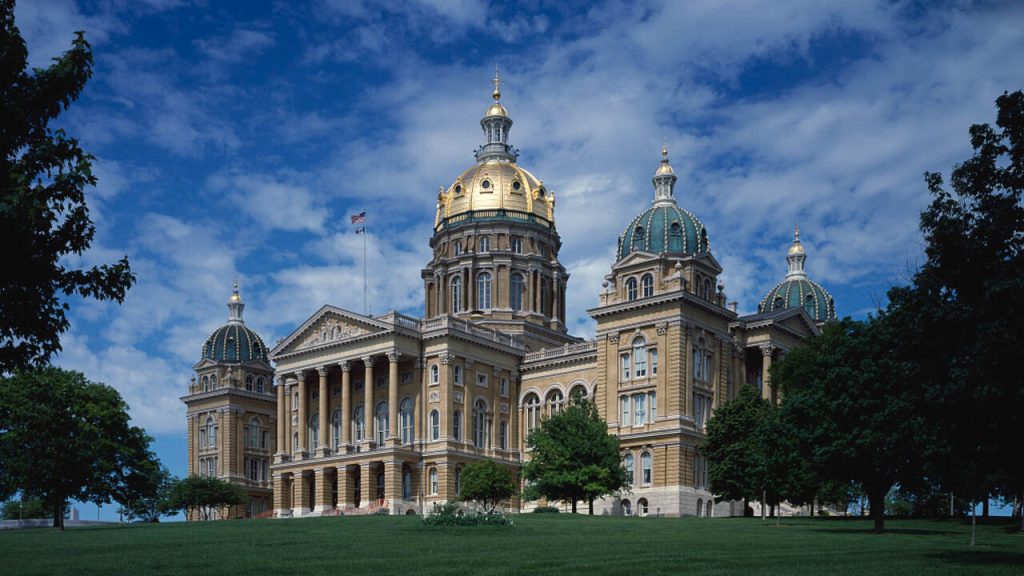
[639, 409]
[654, 361]
[625, 411]
[653, 400]
[625, 365]
[265, 440]
[503, 387]
[457, 371]
[246, 436]
[698, 411]
[503, 436]
[708, 363]
[517, 245]
[641, 363]
[696, 364]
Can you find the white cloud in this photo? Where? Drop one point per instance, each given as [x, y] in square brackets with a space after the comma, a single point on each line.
[273, 202]
[242, 43]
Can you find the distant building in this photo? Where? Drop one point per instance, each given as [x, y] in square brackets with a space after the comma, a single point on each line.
[382, 413]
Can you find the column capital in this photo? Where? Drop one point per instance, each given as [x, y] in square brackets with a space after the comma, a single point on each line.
[662, 328]
[300, 375]
[394, 355]
[345, 366]
[321, 370]
[447, 357]
[767, 349]
[613, 338]
[368, 360]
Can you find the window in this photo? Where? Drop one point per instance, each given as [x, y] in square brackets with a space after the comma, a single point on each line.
[639, 357]
[250, 383]
[654, 361]
[435, 425]
[336, 429]
[700, 472]
[211, 432]
[624, 360]
[578, 392]
[645, 469]
[480, 424]
[517, 245]
[265, 440]
[483, 291]
[206, 383]
[481, 379]
[433, 481]
[202, 436]
[295, 400]
[252, 439]
[381, 423]
[638, 238]
[639, 409]
[647, 285]
[457, 375]
[407, 485]
[503, 435]
[295, 441]
[458, 481]
[701, 410]
[405, 420]
[631, 289]
[555, 402]
[543, 295]
[380, 485]
[641, 507]
[260, 385]
[213, 381]
[627, 509]
[516, 293]
[532, 404]
[624, 401]
[700, 507]
[457, 247]
[435, 375]
[627, 463]
[810, 306]
[675, 238]
[457, 294]
[358, 424]
[485, 244]
[503, 387]
[314, 431]
[457, 425]
[652, 414]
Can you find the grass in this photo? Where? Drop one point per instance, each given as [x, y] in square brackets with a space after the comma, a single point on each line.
[536, 544]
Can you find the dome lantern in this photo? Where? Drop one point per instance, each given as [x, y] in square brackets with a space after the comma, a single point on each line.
[796, 257]
[235, 306]
[664, 179]
[496, 125]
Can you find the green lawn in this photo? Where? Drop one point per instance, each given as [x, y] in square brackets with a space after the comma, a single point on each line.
[537, 543]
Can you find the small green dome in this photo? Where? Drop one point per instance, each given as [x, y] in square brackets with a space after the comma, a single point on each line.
[665, 227]
[800, 292]
[234, 342]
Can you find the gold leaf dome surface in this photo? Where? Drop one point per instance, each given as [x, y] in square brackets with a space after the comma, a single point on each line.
[496, 185]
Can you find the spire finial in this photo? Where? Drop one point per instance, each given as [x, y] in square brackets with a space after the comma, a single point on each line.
[235, 305]
[796, 233]
[664, 150]
[497, 85]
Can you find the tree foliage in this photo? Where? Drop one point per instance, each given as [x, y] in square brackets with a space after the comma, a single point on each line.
[201, 496]
[487, 483]
[43, 213]
[573, 458]
[145, 493]
[23, 508]
[63, 437]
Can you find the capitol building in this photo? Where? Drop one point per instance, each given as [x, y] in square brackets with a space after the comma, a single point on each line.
[357, 414]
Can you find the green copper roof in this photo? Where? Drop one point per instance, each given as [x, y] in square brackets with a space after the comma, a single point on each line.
[664, 227]
[234, 342]
[803, 292]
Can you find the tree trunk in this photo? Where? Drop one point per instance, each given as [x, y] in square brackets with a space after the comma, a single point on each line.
[876, 504]
[573, 505]
[771, 511]
[764, 496]
[974, 520]
[58, 514]
[590, 503]
[984, 507]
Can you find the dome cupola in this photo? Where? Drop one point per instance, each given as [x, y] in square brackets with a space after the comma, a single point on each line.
[797, 290]
[234, 341]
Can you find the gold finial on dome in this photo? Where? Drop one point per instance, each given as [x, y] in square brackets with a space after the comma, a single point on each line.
[796, 248]
[497, 85]
[664, 167]
[234, 292]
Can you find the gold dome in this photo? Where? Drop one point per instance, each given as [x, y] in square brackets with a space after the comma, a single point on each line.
[494, 185]
[496, 109]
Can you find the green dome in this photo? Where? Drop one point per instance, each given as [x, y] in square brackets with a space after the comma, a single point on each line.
[665, 227]
[800, 292]
[234, 342]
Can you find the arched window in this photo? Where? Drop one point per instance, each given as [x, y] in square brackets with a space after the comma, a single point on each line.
[457, 425]
[252, 437]
[645, 469]
[358, 424]
[627, 508]
[641, 507]
[405, 420]
[250, 383]
[639, 357]
[314, 431]
[336, 429]
[381, 423]
[503, 435]
[627, 463]
[675, 238]
[647, 284]
[433, 481]
[457, 246]
[480, 424]
[435, 425]
[578, 392]
[707, 289]
[485, 244]
[555, 401]
[516, 292]
[260, 385]
[810, 306]
[483, 291]
[700, 508]
[631, 289]
[407, 485]
[206, 383]
[457, 294]
[638, 238]
[532, 404]
[435, 374]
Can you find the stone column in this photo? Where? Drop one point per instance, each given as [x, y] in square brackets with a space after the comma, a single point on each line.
[325, 418]
[393, 397]
[368, 402]
[367, 485]
[393, 484]
[280, 497]
[766, 378]
[322, 491]
[687, 399]
[300, 494]
[346, 403]
[346, 488]
[282, 415]
[303, 415]
[225, 427]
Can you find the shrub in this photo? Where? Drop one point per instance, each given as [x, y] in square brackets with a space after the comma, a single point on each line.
[449, 514]
[546, 510]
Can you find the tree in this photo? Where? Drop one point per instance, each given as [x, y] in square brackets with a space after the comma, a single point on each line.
[146, 492]
[43, 214]
[967, 301]
[573, 457]
[201, 496]
[23, 508]
[855, 408]
[63, 437]
[487, 483]
[733, 449]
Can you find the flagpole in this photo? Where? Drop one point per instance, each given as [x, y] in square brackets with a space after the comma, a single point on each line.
[366, 310]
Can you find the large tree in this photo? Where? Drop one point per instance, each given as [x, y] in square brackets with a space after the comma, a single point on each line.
[145, 492]
[63, 437]
[573, 457]
[203, 496]
[855, 408]
[43, 213]
[487, 483]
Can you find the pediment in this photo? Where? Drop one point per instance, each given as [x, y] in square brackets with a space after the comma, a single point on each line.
[635, 258]
[329, 325]
[799, 322]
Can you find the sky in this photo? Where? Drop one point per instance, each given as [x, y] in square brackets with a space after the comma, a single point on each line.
[233, 140]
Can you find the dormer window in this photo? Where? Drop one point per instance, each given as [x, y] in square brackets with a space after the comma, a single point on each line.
[638, 237]
[516, 186]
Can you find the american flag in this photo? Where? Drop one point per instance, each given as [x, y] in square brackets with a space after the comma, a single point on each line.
[359, 218]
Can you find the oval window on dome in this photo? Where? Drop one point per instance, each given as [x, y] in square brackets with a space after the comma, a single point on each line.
[541, 192]
[779, 303]
[516, 185]
[485, 184]
[458, 189]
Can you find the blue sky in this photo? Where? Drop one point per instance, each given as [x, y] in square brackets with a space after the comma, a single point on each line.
[235, 139]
